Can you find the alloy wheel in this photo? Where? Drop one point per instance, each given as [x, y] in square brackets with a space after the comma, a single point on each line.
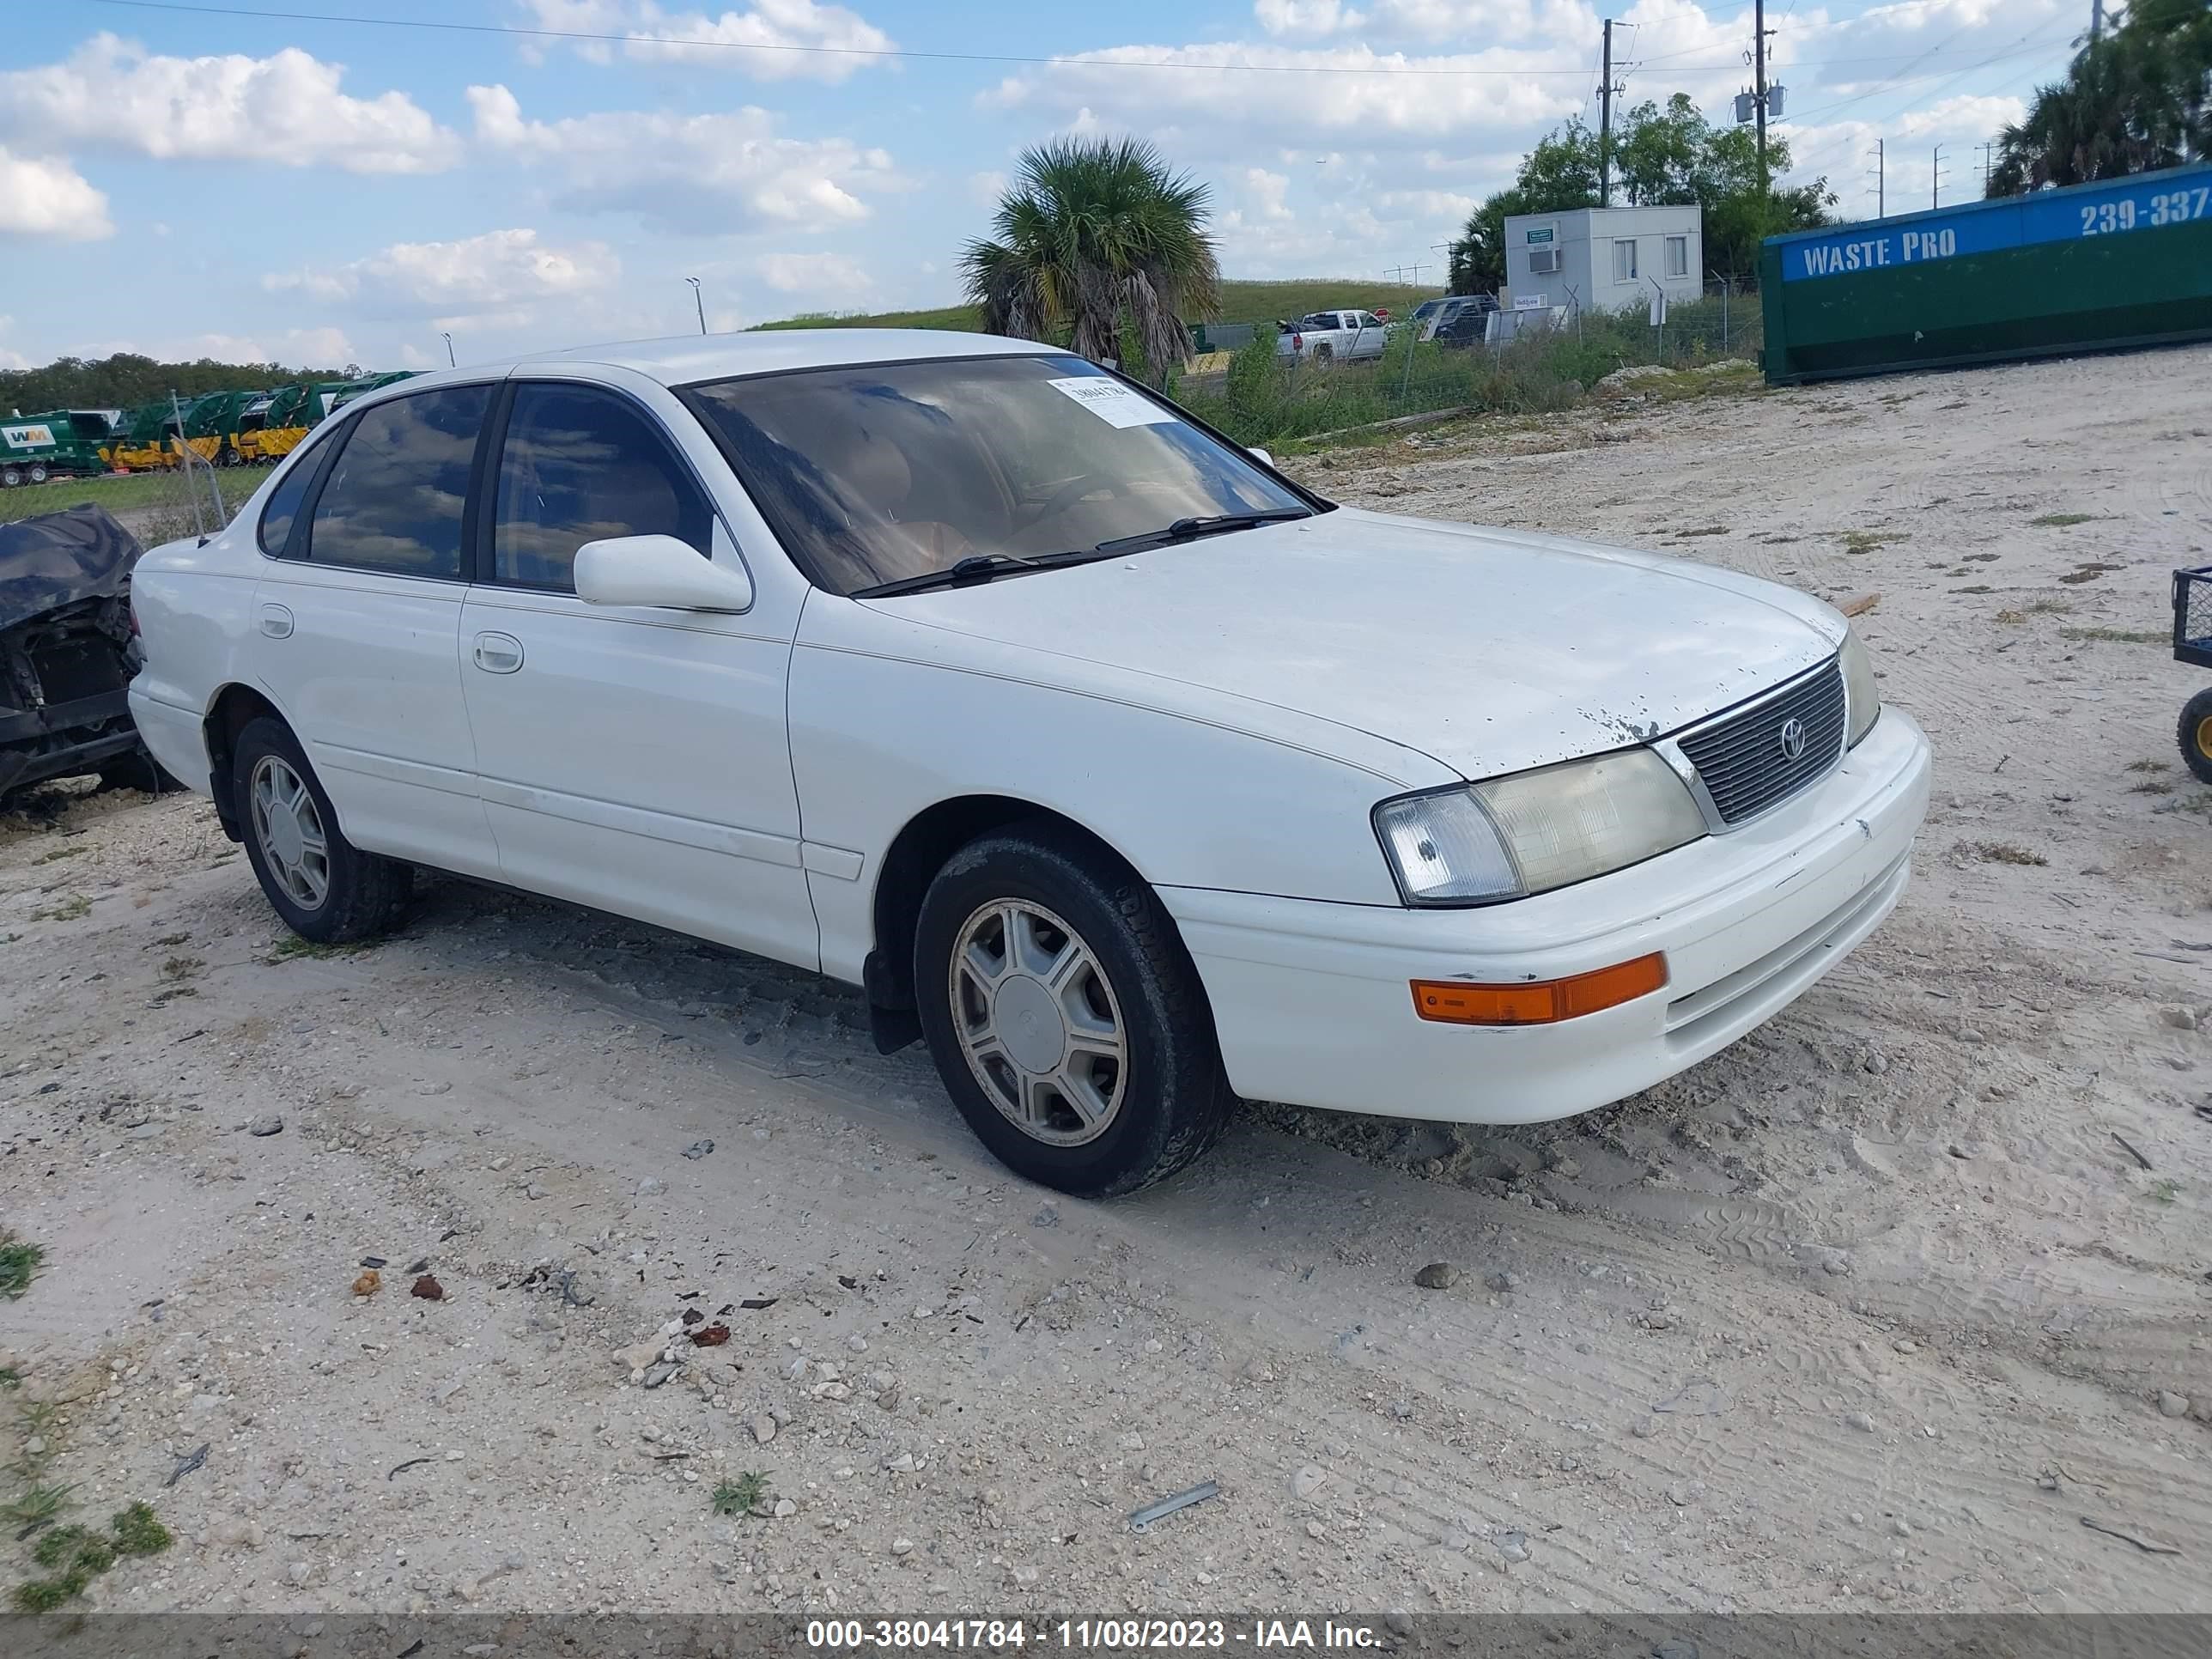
[1038, 1022]
[289, 827]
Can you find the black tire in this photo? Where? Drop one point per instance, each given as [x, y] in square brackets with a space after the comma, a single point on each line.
[1324, 353]
[2194, 733]
[11, 477]
[366, 896]
[1175, 1097]
[37, 473]
[136, 770]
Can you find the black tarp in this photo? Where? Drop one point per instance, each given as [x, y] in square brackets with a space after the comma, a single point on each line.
[60, 558]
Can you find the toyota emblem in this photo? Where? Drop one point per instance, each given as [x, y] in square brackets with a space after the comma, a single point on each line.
[1793, 738]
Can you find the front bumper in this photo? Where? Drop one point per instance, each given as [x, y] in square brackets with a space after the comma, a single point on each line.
[1312, 1004]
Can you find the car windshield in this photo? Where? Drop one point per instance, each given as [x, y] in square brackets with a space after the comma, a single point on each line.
[886, 472]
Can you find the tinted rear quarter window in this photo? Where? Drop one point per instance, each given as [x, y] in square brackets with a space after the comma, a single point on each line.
[284, 505]
[396, 496]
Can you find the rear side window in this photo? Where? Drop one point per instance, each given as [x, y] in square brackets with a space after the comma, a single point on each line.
[398, 493]
[580, 465]
[284, 505]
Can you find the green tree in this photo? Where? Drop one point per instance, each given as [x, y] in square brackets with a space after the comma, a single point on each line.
[1560, 173]
[1665, 156]
[127, 379]
[1097, 239]
[2137, 100]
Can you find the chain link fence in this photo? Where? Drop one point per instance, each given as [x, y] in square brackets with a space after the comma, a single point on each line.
[1532, 361]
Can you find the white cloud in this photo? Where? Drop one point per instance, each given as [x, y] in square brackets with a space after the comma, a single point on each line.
[1275, 97]
[306, 347]
[501, 277]
[775, 40]
[49, 198]
[689, 174]
[1305, 17]
[827, 279]
[987, 186]
[286, 109]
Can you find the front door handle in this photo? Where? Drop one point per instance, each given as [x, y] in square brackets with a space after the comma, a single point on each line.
[498, 653]
[276, 622]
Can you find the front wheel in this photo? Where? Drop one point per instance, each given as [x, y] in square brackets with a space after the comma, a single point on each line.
[1065, 1016]
[11, 477]
[326, 889]
[2195, 733]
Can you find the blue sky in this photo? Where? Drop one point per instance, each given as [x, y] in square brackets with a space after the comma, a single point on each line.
[185, 183]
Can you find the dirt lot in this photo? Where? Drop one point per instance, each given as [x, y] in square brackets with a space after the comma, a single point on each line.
[1874, 1309]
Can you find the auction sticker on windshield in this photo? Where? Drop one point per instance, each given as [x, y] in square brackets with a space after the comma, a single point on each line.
[1112, 402]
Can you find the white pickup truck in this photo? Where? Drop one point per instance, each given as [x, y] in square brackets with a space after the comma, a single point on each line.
[1333, 337]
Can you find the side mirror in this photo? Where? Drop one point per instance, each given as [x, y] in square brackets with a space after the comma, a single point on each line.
[657, 570]
[1261, 456]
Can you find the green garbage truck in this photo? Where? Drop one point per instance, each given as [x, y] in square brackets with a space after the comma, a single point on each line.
[59, 443]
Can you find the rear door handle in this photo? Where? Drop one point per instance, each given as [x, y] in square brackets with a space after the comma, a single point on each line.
[276, 622]
[498, 653]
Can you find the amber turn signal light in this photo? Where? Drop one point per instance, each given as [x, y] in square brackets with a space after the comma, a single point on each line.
[1538, 1002]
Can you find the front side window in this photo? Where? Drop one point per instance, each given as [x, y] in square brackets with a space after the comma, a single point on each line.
[885, 473]
[1624, 261]
[1678, 256]
[398, 492]
[581, 466]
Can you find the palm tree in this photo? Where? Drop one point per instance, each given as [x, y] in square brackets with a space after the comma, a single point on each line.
[2137, 100]
[1093, 235]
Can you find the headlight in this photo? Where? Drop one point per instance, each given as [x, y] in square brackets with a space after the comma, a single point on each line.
[1862, 698]
[1535, 830]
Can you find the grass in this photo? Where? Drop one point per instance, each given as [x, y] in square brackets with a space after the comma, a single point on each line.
[741, 1496]
[1865, 541]
[37, 1502]
[2118, 636]
[10, 1378]
[182, 967]
[2147, 766]
[57, 856]
[2000, 852]
[75, 1556]
[2036, 608]
[292, 945]
[76, 905]
[2165, 1192]
[2060, 521]
[1257, 303]
[165, 493]
[19, 1262]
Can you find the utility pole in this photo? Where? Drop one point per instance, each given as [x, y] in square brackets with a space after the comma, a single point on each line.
[701, 304]
[1758, 82]
[2096, 18]
[452, 362]
[1936, 179]
[1986, 150]
[1605, 124]
[1880, 181]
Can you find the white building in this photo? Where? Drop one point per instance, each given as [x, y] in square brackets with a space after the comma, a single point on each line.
[1604, 258]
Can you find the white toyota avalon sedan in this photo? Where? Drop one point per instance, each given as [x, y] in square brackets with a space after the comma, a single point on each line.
[1126, 772]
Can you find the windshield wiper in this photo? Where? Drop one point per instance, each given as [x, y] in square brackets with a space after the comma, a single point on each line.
[1189, 530]
[975, 568]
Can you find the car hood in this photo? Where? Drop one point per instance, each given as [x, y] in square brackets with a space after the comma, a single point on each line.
[1489, 650]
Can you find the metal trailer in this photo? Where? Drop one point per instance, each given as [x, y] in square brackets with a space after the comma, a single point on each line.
[2124, 262]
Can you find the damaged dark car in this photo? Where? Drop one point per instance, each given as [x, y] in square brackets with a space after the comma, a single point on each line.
[68, 649]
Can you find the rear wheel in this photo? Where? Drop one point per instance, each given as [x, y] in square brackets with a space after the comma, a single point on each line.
[324, 887]
[2195, 733]
[37, 473]
[1065, 1016]
[1324, 353]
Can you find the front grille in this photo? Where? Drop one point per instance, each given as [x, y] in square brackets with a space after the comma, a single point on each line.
[1741, 759]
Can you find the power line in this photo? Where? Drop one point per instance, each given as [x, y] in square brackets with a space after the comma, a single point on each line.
[604, 38]
[607, 37]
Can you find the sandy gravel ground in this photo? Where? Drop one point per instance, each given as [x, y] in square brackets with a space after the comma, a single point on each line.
[1872, 1310]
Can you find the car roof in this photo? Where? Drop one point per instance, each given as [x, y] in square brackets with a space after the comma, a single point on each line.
[688, 358]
